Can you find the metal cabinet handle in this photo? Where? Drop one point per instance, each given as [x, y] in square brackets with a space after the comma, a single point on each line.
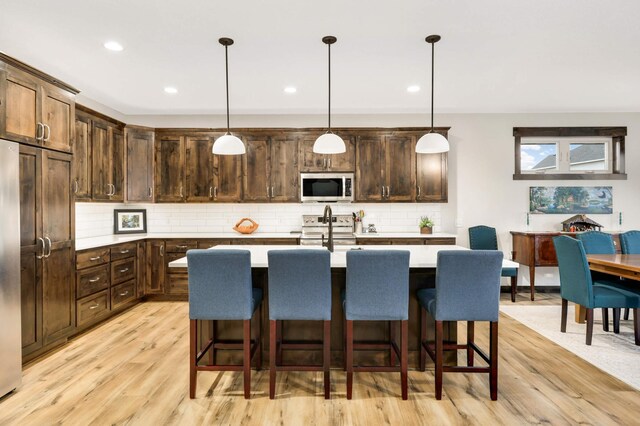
[122, 271]
[329, 162]
[268, 196]
[162, 250]
[272, 192]
[113, 190]
[181, 193]
[181, 247]
[419, 191]
[215, 192]
[388, 191]
[211, 192]
[75, 186]
[97, 305]
[124, 251]
[93, 259]
[48, 133]
[382, 191]
[94, 280]
[40, 256]
[324, 163]
[124, 293]
[150, 192]
[39, 136]
[49, 250]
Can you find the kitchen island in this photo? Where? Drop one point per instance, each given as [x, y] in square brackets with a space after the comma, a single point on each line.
[422, 275]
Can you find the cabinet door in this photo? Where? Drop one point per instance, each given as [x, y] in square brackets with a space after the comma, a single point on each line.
[370, 168]
[345, 162]
[431, 177]
[284, 169]
[169, 173]
[20, 107]
[155, 267]
[199, 169]
[142, 268]
[58, 294]
[100, 162]
[310, 161]
[82, 158]
[58, 114]
[116, 145]
[57, 207]
[227, 178]
[256, 182]
[139, 160]
[400, 168]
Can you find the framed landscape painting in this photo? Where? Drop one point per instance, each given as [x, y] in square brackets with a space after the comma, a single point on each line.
[130, 221]
[570, 200]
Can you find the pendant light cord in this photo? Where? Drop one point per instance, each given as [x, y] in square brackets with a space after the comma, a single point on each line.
[432, 80]
[329, 107]
[226, 68]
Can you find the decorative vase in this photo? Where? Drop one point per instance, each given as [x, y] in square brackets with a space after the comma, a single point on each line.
[426, 230]
[358, 227]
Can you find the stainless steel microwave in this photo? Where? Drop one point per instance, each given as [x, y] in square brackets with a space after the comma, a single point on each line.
[326, 187]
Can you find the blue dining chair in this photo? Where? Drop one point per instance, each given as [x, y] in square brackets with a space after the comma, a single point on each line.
[220, 288]
[577, 286]
[467, 289]
[483, 237]
[596, 242]
[377, 289]
[630, 244]
[299, 289]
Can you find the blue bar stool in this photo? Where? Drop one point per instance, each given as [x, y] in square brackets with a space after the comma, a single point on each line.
[377, 289]
[299, 289]
[630, 244]
[467, 289]
[220, 289]
[483, 237]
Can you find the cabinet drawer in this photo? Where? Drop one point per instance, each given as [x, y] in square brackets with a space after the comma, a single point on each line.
[92, 307]
[123, 293]
[178, 283]
[123, 251]
[123, 270]
[93, 257]
[92, 280]
[177, 246]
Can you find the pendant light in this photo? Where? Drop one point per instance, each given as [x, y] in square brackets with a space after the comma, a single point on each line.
[432, 142]
[227, 144]
[329, 143]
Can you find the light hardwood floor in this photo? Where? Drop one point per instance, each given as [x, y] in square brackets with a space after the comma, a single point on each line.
[133, 369]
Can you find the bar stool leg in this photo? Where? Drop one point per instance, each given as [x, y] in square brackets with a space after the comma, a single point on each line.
[193, 350]
[272, 358]
[404, 352]
[246, 349]
[423, 338]
[605, 319]
[259, 340]
[616, 320]
[493, 375]
[392, 337]
[514, 288]
[349, 359]
[439, 350]
[212, 352]
[279, 344]
[470, 337]
[590, 324]
[326, 359]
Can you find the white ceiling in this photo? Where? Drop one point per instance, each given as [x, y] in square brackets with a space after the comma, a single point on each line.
[495, 55]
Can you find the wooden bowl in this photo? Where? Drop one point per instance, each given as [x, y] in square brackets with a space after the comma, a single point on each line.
[246, 229]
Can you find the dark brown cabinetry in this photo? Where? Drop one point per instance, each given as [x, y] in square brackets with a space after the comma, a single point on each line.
[35, 108]
[139, 160]
[155, 267]
[170, 155]
[370, 168]
[199, 169]
[312, 162]
[107, 162]
[431, 176]
[82, 157]
[47, 234]
[271, 168]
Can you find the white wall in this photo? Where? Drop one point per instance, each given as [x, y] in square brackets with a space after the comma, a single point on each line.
[481, 165]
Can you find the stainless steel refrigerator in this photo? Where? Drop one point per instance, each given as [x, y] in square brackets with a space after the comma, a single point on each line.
[10, 319]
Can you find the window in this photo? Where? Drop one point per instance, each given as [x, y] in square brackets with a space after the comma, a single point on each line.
[569, 153]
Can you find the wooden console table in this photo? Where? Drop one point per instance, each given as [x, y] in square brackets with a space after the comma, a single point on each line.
[536, 249]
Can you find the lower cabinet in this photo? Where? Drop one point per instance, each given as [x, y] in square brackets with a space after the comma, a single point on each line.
[106, 280]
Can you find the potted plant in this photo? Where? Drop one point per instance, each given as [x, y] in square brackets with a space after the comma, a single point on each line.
[426, 225]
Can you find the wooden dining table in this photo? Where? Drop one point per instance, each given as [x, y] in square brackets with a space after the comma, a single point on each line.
[616, 265]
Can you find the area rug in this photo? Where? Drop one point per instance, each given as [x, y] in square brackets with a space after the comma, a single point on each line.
[615, 354]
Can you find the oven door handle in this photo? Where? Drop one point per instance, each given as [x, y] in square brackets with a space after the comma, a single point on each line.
[344, 186]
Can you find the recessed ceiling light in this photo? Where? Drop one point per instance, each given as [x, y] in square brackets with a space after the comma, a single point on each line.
[170, 90]
[413, 89]
[113, 46]
[290, 89]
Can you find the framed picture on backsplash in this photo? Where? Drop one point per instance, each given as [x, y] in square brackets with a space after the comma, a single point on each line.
[130, 221]
[571, 200]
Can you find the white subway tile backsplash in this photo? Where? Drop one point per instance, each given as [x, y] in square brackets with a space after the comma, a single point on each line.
[96, 219]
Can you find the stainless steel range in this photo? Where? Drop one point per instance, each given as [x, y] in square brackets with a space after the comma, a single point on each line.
[313, 230]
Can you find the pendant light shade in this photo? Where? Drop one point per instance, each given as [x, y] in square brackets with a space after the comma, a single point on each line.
[432, 142]
[329, 143]
[227, 144]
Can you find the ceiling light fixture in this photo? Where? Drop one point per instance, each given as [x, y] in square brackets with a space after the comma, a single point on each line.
[329, 143]
[113, 46]
[290, 89]
[227, 144]
[413, 89]
[170, 90]
[432, 142]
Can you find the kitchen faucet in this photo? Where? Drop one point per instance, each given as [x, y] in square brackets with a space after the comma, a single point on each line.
[329, 243]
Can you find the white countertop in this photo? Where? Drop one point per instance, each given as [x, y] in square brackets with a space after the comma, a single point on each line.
[421, 256]
[105, 240]
[404, 235]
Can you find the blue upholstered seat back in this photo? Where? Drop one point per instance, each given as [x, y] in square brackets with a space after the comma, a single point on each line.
[483, 237]
[630, 242]
[377, 285]
[596, 242]
[299, 284]
[575, 277]
[220, 284]
[468, 285]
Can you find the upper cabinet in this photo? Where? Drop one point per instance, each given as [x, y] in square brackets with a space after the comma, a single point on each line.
[139, 164]
[82, 157]
[312, 162]
[431, 176]
[170, 154]
[35, 108]
[400, 169]
[370, 168]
